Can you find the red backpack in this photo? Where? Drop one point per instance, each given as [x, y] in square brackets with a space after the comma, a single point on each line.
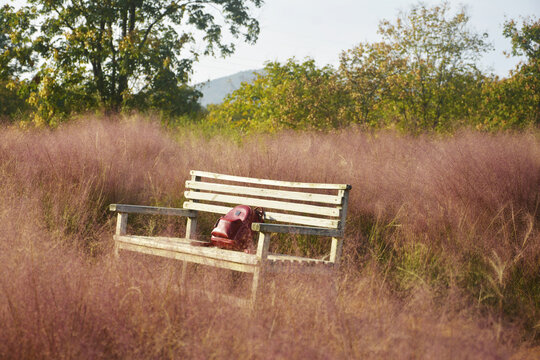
[233, 231]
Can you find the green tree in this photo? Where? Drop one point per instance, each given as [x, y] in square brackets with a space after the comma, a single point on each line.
[440, 54]
[15, 58]
[526, 42]
[424, 70]
[506, 104]
[108, 52]
[367, 73]
[294, 95]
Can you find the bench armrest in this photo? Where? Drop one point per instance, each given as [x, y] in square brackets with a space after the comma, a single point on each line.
[294, 229]
[153, 210]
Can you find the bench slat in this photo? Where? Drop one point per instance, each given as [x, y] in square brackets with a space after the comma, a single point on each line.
[269, 215]
[279, 194]
[292, 267]
[269, 204]
[242, 179]
[152, 210]
[193, 258]
[299, 259]
[293, 229]
[181, 246]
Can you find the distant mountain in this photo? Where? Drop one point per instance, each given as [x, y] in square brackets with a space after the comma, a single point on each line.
[214, 91]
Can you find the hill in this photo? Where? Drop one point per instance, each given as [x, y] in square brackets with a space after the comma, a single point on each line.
[214, 91]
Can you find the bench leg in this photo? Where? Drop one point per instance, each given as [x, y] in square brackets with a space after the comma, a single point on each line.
[262, 252]
[255, 287]
[183, 277]
[191, 227]
[335, 251]
[121, 228]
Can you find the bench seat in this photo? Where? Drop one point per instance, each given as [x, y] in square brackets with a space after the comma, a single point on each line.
[183, 249]
[295, 208]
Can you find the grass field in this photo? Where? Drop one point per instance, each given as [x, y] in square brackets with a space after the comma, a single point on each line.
[441, 253]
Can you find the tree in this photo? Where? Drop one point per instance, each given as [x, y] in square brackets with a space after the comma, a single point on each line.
[16, 30]
[506, 104]
[367, 72]
[294, 95]
[425, 67]
[15, 57]
[108, 52]
[526, 42]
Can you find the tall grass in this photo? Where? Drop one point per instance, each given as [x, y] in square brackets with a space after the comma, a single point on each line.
[441, 258]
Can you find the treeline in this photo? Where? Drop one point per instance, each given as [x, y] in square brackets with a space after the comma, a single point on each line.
[423, 75]
[58, 59]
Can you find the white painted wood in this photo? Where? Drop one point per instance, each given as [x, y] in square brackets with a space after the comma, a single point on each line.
[191, 228]
[337, 243]
[336, 249]
[151, 210]
[270, 215]
[262, 192]
[216, 209]
[299, 268]
[293, 229]
[255, 287]
[263, 245]
[183, 276]
[267, 204]
[168, 240]
[191, 223]
[295, 259]
[192, 258]
[262, 253]
[184, 247]
[242, 179]
[121, 223]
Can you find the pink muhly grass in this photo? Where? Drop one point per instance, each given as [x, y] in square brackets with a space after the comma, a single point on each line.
[422, 209]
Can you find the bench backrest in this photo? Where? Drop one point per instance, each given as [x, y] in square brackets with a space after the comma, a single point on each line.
[285, 202]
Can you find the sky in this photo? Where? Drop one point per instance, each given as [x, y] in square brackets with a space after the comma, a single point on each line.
[322, 29]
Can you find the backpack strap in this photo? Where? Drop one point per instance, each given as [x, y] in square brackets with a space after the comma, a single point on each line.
[259, 214]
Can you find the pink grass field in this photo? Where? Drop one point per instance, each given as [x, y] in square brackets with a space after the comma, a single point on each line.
[441, 253]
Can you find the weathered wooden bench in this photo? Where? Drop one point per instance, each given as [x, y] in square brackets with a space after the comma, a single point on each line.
[291, 208]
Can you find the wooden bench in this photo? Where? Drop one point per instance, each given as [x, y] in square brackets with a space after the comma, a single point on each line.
[291, 208]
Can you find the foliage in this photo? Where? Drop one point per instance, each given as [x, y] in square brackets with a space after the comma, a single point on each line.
[65, 57]
[116, 53]
[367, 71]
[15, 57]
[294, 95]
[423, 72]
[15, 50]
[166, 96]
[506, 104]
[514, 102]
[526, 41]
[12, 105]
[422, 76]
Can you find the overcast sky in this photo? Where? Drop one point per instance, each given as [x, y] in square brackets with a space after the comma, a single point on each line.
[322, 29]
